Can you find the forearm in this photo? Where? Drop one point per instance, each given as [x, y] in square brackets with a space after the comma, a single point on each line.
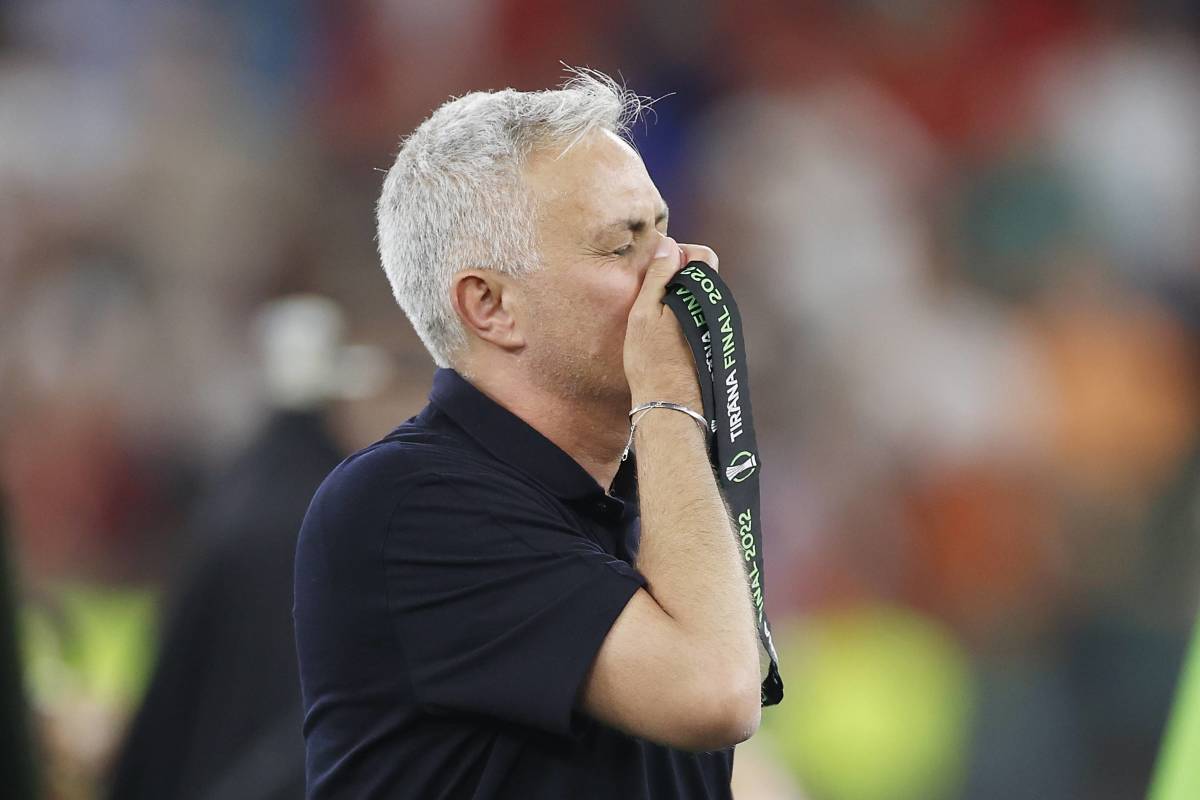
[688, 549]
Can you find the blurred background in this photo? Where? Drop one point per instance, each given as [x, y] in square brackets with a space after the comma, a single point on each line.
[965, 237]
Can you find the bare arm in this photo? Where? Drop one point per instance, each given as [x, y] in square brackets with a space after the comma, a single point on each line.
[690, 557]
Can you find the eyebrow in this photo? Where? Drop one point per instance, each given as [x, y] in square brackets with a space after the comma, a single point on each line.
[636, 226]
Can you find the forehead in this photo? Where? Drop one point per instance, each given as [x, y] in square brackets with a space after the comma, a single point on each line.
[600, 179]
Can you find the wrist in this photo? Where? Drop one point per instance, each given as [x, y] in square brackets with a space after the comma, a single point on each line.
[655, 415]
[671, 422]
[695, 420]
[671, 386]
[683, 397]
[667, 405]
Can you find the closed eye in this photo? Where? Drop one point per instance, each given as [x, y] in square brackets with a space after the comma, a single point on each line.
[623, 251]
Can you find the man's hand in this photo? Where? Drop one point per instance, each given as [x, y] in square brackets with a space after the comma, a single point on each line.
[658, 362]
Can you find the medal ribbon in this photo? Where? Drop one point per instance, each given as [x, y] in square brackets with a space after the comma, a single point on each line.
[713, 327]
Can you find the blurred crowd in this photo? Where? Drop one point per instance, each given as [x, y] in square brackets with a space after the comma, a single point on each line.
[964, 236]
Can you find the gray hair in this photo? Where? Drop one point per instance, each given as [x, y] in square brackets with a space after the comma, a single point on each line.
[455, 198]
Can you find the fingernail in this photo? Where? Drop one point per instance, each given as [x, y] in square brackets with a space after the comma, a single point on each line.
[666, 246]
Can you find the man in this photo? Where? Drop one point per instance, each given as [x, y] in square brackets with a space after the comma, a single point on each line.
[476, 615]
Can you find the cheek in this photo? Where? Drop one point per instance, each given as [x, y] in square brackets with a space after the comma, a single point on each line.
[619, 303]
[593, 310]
[617, 300]
[621, 292]
[603, 312]
[607, 297]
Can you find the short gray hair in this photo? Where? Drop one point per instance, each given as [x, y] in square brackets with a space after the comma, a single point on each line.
[455, 198]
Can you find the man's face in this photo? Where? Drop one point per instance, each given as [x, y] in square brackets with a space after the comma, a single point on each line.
[600, 219]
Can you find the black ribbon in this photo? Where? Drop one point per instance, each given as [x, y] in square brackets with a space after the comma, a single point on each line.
[713, 327]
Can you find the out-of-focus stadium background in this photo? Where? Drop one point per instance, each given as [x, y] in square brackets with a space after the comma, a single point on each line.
[965, 237]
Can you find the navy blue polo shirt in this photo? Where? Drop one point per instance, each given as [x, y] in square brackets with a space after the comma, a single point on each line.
[454, 582]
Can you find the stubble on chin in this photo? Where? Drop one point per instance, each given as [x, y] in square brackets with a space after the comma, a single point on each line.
[578, 377]
[564, 363]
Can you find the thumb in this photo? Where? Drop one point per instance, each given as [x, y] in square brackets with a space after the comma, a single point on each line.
[668, 259]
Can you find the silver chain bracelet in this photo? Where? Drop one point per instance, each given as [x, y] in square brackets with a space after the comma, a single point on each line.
[644, 407]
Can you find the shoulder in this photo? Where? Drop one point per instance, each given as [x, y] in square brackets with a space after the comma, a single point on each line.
[412, 473]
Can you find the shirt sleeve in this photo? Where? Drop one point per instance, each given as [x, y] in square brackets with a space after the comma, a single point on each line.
[500, 605]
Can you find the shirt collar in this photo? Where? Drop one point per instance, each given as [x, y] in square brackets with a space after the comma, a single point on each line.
[514, 441]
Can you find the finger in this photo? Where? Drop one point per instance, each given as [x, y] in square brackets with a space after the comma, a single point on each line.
[698, 252]
[666, 263]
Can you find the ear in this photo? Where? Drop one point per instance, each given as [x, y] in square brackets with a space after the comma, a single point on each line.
[485, 301]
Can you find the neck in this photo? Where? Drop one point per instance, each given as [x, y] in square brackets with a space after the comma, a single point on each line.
[590, 430]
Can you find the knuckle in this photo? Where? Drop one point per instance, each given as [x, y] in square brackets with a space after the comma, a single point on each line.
[699, 252]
